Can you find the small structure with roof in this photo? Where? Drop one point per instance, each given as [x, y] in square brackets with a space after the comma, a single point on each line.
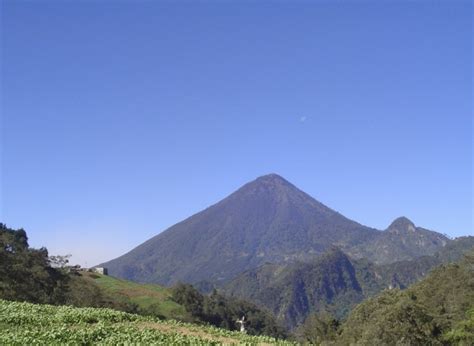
[100, 270]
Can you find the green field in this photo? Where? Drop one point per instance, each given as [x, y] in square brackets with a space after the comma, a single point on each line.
[144, 295]
[34, 324]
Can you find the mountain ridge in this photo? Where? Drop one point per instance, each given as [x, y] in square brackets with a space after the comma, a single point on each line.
[266, 220]
[333, 282]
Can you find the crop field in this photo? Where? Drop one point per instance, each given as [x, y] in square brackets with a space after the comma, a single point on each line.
[32, 324]
[144, 295]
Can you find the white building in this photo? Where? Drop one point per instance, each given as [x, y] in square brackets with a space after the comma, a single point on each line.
[100, 270]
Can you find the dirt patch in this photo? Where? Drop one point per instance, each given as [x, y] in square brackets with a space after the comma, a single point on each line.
[186, 331]
[140, 292]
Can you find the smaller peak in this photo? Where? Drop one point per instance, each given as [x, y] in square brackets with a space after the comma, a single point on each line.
[402, 224]
[402, 220]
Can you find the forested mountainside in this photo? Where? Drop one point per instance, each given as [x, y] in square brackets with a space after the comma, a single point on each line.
[333, 283]
[437, 310]
[266, 220]
[292, 291]
[404, 273]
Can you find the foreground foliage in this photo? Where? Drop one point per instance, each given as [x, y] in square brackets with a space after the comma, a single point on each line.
[32, 324]
[25, 273]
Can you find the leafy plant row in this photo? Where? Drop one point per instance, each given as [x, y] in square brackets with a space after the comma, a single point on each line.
[34, 324]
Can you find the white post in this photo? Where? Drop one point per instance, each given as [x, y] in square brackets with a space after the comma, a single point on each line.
[242, 324]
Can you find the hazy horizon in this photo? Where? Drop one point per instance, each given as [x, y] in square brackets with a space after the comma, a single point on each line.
[122, 119]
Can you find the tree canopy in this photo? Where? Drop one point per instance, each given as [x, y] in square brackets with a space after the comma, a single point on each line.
[26, 273]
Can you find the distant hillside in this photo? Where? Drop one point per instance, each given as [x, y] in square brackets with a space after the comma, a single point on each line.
[404, 273]
[267, 220]
[292, 291]
[437, 310]
[334, 282]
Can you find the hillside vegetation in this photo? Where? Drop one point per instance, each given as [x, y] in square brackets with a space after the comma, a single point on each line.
[221, 311]
[26, 273]
[29, 324]
[291, 292]
[148, 299]
[333, 283]
[29, 276]
[438, 310]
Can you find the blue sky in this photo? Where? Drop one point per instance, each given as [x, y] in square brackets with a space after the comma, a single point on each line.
[120, 119]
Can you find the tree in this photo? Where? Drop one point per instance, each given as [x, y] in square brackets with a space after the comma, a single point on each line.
[319, 328]
[26, 273]
[190, 298]
[222, 311]
[463, 333]
[59, 261]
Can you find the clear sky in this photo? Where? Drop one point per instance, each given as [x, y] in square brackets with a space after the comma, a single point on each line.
[121, 118]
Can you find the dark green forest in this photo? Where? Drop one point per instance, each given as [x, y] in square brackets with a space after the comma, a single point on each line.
[333, 283]
[26, 273]
[221, 311]
[438, 310]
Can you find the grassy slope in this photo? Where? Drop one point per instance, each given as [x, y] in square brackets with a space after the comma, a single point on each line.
[144, 295]
[26, 323]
